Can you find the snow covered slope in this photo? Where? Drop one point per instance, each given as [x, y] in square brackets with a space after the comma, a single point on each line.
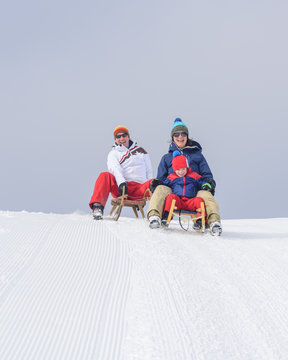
[74, 288]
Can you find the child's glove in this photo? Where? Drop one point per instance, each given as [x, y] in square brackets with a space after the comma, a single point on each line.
[210, 186]
[154, 183]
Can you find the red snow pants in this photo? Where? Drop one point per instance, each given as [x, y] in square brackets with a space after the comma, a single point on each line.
[106, 184]
[184, 203]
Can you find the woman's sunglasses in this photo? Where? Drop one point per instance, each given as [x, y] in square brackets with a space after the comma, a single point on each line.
[182, 133]
[121, 135]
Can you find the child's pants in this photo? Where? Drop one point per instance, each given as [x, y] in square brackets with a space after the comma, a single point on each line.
[106, 184]
[184, 203]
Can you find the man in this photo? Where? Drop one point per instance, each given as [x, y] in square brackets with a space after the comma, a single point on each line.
[129, 167]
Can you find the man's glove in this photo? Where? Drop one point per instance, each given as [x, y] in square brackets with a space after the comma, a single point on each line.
[154, 183]
[210, 186]
[120, 188]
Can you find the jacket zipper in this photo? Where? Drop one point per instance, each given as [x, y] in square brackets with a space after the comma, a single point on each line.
[183, 186]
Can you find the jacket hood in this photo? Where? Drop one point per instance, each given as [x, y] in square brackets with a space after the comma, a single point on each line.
[191, 144]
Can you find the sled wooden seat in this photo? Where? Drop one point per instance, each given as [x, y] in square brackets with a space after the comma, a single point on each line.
[185, 214]
[122, 201]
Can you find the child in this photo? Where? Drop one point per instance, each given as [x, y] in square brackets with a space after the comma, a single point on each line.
[185, 184]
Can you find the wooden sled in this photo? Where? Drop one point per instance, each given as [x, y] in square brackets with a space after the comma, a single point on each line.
[136, 204]
[185, 216]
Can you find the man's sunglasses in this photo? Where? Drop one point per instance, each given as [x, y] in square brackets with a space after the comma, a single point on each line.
[182, 133]
[121, 135]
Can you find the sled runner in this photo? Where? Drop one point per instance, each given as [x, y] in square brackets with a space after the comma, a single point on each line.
[185, 216]
[136, 204]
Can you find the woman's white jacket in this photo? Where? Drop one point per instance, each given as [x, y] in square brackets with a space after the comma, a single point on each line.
[131, 164]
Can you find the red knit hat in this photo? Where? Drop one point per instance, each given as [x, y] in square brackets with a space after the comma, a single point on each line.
[179, 161]
[120, 128]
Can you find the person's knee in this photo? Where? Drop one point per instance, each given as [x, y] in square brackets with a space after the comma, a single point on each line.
[205, 195]
[171, 197]
[105, 174]
[163, 190]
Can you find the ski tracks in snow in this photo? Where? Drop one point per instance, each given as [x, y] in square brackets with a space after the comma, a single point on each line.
[64, 289]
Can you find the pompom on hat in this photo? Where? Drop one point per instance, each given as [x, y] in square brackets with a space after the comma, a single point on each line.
[121, 129]
[179, 161]
[179, 126]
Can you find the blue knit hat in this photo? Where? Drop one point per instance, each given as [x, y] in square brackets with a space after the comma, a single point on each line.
[179, 126]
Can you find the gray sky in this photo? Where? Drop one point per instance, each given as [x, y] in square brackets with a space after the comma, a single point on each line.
[72, 71]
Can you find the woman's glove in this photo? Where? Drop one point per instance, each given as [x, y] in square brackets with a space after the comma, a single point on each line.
[210, 186]
[120, 188]
[154, 183]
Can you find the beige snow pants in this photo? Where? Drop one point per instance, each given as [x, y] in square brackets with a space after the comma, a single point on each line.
[157, 201]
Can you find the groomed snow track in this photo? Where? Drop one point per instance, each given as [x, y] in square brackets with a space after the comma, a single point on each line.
[74, 288]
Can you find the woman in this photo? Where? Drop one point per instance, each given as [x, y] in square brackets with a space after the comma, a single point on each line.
[129, 167]
[193, 152]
